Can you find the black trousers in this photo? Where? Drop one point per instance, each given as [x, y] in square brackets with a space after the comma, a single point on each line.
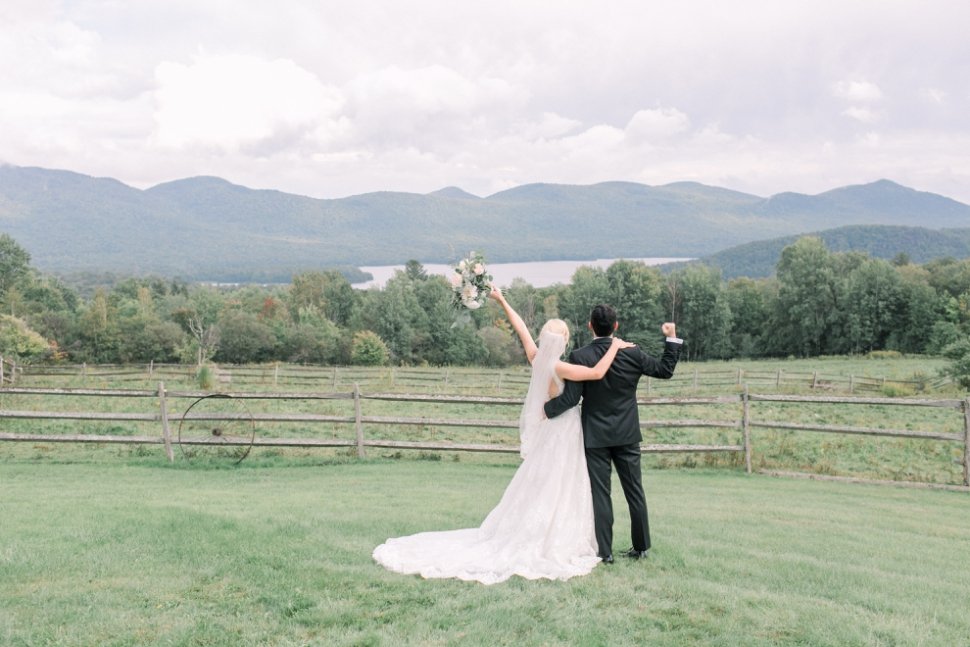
[599, 462]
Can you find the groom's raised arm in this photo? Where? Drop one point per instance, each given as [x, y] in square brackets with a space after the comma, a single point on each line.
[664, 367]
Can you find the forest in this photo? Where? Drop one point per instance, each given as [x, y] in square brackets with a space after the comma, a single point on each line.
[818, 302]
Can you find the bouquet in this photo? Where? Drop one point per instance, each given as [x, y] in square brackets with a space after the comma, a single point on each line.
[471, 283]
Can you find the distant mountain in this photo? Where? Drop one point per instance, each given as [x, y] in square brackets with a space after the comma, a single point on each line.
[208, 228]
[921, 245]
[454, 192]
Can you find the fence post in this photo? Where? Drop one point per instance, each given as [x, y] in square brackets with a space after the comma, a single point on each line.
[739, 377]
[966, 442]
[13, 372]
[1, 370]
[166, 431]
[814, 379]
[851, 384]
[358, 425]
[695, 379]
[649, 385]
[276, 374]
[746, 426]
[778, 379]
[333, 386]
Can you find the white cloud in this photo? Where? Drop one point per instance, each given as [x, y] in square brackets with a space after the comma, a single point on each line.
[433, 107]
[865, 115]
[657, 124]
[234, 103]
[858, 91]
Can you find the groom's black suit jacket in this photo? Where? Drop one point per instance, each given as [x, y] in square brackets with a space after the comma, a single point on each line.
[610, 416]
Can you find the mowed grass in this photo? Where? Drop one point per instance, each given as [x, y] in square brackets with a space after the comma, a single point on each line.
[121, 554]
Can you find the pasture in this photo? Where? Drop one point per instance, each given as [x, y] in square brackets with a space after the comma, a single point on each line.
[112, 553]
[774, 447]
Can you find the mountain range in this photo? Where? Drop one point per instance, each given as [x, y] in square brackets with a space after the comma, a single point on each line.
[205, 228]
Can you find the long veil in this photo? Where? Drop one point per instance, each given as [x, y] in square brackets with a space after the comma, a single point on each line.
[550, 349]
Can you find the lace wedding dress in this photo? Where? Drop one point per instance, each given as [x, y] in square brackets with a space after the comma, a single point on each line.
[542, 527]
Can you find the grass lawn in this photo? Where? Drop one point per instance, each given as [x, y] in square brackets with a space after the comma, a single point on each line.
[150, 554]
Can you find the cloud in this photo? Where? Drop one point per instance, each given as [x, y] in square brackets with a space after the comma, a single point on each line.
[233, 103]
[332, 99]
[865, 115]
[657, 124]
[433, 107]
[858, 91]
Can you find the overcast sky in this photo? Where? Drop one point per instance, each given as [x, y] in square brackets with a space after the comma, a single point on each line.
[331, 99]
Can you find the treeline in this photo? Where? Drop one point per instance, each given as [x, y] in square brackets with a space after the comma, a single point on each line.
[819, 303]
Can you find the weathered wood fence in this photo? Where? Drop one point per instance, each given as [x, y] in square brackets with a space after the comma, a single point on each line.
[743, 423]
[8, 371]
[336, 378]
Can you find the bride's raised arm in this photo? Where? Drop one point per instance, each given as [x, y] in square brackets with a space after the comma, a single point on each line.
[518, 325]
[579, 373]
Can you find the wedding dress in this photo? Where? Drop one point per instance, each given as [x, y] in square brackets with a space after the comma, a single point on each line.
[543, 525]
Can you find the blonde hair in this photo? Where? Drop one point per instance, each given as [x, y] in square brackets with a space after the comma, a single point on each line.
[558, 327]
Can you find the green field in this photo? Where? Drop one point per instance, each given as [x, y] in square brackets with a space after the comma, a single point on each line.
[109, 553]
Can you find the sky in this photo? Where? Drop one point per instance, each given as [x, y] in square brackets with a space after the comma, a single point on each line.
[330, 99]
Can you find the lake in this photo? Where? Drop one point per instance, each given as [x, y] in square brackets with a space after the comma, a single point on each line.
[539, 274]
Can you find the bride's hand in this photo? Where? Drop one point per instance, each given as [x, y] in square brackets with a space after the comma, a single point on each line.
[620, 344]
[496, 294]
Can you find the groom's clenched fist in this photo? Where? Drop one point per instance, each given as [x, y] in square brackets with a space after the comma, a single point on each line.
[669, 329]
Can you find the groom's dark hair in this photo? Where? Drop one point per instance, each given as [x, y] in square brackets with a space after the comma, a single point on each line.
[603, 320]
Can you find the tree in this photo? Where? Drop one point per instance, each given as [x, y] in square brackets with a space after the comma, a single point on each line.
[14, 263]
[807, 298]
[199, 315]
[328, 292]
[369, 349]
[703, 316]
[317, 343]
[98, 335]
[18, 340]
[399, 317]
[634, 291]
[750, 303]
[243, 338]
[920, 310]
[873, 305]
[590, 287]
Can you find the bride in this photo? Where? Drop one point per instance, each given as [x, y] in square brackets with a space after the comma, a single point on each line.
[543, 526]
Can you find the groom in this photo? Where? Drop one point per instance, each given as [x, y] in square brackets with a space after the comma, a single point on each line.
[611, 425]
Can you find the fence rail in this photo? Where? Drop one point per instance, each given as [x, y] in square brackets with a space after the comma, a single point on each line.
[337, 378]
[743, 421]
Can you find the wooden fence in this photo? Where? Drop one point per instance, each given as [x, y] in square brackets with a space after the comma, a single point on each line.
[8, 371]
[335, 378]
[742, 422]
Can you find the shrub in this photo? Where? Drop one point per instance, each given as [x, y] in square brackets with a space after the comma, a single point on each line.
[369, 349]
[205, 377]
[18, 340]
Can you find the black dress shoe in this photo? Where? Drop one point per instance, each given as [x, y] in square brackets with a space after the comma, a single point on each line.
[607, 560]
[633, 553]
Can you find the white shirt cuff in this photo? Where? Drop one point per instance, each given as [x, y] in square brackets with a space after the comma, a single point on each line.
[676, 340]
